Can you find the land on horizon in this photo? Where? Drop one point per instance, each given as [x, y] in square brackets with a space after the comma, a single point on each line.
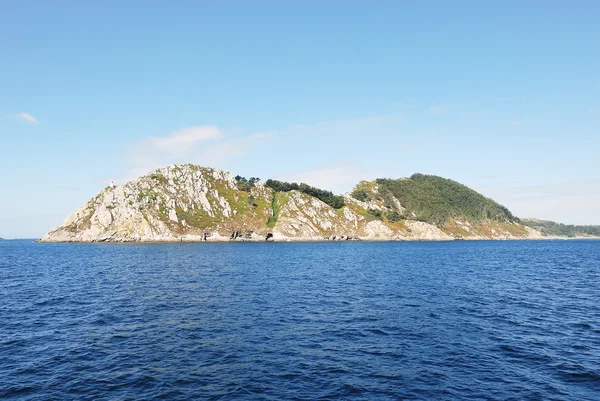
[194, 203]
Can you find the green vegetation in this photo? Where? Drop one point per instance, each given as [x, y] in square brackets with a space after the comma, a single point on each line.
[163, 213]
[563, 230]
[394, 216]
[362, 191]
[335, 201]
[438, 200]
[148, 194]
[276, 209]
[195, 218]
[246, 185]
[375, 212]
[83, 224]
[159, 177]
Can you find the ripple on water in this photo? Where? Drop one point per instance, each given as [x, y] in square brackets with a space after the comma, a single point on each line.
[457, 320]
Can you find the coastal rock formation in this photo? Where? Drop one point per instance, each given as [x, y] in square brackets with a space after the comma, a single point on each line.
[193, 203]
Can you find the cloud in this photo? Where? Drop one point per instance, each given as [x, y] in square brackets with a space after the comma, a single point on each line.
[232, 147]
[27, 118]
[204, 145]
[514, 123]
[183, 139]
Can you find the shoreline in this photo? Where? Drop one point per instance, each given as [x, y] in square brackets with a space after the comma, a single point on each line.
[299, 240]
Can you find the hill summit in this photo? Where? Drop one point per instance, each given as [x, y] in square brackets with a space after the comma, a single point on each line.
[194, 203]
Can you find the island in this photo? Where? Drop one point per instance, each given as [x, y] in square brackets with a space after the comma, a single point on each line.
[193, 203]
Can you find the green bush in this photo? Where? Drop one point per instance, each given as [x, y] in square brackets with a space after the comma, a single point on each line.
[361, 194]
[375, 212]
[394, 216]
[245, 185]
[159, 177]
[328, 197]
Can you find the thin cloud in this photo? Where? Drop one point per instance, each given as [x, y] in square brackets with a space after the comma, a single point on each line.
[440, 108]
[230, 148]
[27, 118]
[204, 145]
[185, 138]
[514, 122]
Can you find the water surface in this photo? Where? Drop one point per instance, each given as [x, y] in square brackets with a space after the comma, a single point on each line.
[451, 320]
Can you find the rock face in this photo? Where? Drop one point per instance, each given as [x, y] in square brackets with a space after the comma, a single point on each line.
[193, 203]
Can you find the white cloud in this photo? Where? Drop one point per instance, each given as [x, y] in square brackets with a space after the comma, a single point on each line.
[27, 118]
[183, 139]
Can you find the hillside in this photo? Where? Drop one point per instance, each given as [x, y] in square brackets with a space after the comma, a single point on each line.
[194, 203]
[438, 201]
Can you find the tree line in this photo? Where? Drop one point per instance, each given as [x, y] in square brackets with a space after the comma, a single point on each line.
[335, 201]
[244, 184]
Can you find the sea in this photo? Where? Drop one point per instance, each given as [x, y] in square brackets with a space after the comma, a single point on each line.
[460, 320]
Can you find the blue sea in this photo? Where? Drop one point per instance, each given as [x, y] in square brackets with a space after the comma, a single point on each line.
[481, 320]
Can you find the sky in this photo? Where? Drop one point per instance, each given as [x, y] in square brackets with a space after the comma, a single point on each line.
[503, 97]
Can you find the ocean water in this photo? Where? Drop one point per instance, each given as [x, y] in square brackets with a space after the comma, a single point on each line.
[514, 320]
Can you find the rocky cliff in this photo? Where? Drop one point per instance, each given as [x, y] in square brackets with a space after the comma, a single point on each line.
[193, 203]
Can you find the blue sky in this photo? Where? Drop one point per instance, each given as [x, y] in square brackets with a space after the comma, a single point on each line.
[501, 96]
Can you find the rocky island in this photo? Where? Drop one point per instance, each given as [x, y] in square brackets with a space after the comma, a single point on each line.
[194, 203]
